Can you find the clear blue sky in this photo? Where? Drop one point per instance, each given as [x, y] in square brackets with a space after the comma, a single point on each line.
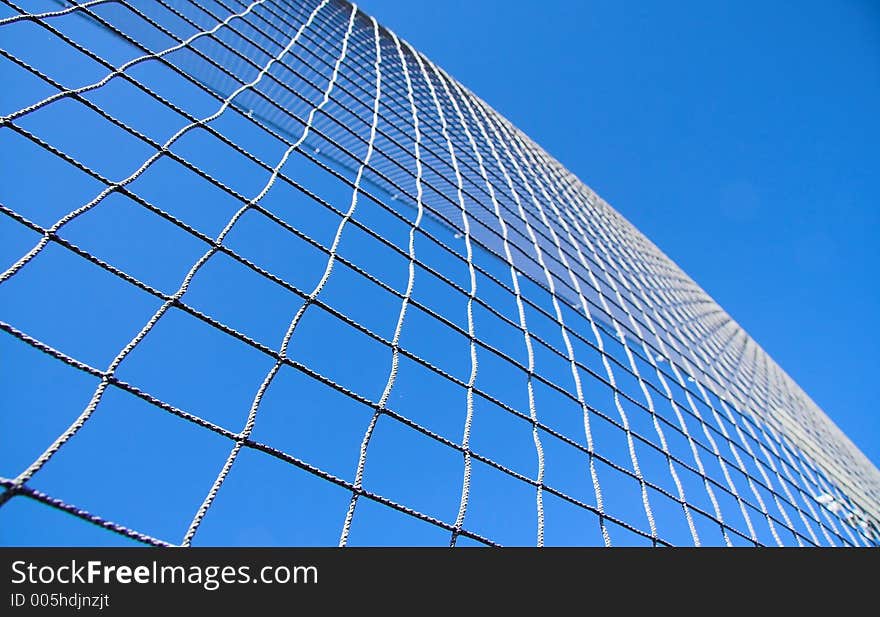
[741, 141]
[741, 137]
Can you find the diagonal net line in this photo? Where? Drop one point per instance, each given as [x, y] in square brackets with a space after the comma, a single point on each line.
[683, 328]
[77, 424]
[39, 496]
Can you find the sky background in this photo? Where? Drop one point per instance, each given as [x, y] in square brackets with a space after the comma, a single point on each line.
[743, 150]
[741, 137]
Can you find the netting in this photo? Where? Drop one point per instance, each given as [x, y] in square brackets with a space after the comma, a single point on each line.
[270, 276]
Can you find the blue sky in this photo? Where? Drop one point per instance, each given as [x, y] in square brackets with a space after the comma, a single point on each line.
[741, 137]
[743, 149]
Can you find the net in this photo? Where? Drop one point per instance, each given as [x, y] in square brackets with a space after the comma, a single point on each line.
[270, 276]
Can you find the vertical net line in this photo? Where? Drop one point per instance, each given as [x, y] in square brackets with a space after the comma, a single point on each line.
[575, 281]
[767, 373]
[785, 470]
[764, 452]
[523, 325]
[462, 511]
[285, 342]
[612, 379]
[527, 335]
[572, 362]
[667, 357]
[582, 304]
[649, 355]
[79, 422]
[611, 280]
[340, 228]
[465, 217]
[766, 441]
[395, 351]
[420, 210]
[634, 370]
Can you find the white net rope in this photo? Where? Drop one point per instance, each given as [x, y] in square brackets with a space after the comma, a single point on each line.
[629, 380]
